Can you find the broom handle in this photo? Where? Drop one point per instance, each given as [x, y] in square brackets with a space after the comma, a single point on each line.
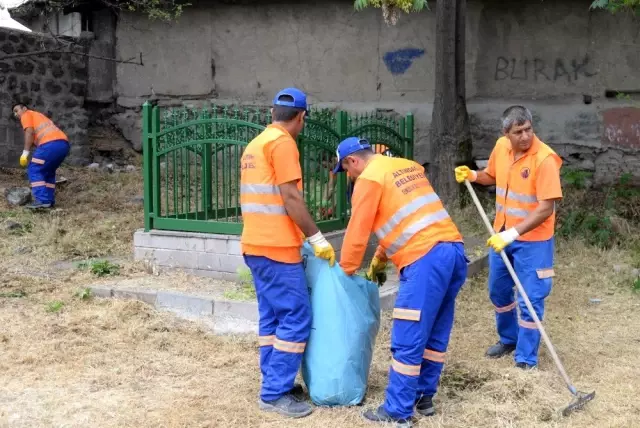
[543, 333]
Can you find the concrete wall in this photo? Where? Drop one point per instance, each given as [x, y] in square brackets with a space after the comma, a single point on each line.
[54, 84]
[547, 55]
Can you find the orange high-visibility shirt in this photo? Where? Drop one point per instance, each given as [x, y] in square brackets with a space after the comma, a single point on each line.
[269, 160]
[521, 184]
[44, 129]
[394, 199]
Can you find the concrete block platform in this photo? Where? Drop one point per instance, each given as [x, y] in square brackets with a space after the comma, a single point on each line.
[216, 313]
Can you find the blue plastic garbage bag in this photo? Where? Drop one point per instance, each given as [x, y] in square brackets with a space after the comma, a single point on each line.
[346, 320]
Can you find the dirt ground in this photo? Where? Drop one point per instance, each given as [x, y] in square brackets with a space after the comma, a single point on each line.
[71, 361]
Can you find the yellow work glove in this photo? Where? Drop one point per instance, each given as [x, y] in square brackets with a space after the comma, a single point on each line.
[465, 173]
[375, 268]
[24, 159]
[500, 240]
[322, 249]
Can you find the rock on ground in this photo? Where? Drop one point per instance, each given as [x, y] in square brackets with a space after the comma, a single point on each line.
[18, 195]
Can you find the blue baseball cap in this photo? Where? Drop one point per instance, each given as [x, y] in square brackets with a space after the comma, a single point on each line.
[348, 147]
[299, 99]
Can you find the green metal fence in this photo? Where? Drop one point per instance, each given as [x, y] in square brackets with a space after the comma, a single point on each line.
[192, 163]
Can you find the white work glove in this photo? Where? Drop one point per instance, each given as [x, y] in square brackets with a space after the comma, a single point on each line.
[500, 240]
[322, 249]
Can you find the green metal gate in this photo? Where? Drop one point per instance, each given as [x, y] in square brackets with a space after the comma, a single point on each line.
[192, 157]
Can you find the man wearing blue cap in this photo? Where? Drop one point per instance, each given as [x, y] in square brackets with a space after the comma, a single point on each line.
[275, 222]
[394, 199]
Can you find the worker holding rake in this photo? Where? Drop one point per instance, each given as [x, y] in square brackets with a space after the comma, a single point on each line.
[275, 222]
[393, 198]
[526, 173]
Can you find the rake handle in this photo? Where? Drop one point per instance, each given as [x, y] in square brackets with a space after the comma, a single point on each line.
[527, 302]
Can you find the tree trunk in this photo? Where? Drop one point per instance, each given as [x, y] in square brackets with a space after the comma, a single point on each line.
[450, 134]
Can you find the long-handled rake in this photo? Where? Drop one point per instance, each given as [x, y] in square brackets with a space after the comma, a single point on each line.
[580, 398]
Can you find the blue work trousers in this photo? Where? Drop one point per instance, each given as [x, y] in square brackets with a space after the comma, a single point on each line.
[284, 308]
[533, 264]
[422, 322]
[45, 161]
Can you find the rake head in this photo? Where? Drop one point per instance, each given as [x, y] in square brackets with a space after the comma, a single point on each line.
[579, 401]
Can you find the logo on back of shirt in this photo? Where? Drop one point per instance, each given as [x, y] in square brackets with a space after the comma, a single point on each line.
[525, 172]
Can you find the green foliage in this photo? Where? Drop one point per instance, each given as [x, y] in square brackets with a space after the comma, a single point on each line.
[576, 178]
[636, 285]
[164, 10]
[100, 268]
[54, 306]
[614, 6]
[245, 289]
[404, 5]
[13, 294]
[84, 293]
[602, 217]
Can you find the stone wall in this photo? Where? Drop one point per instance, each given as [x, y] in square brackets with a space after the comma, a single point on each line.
[54, 84]
[550, 56]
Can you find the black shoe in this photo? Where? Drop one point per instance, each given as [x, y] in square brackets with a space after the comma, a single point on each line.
[500, 350]
[381, 415]
[39, 206]
[425, 406]
[298, 393]
[287, 406]
[525, 366]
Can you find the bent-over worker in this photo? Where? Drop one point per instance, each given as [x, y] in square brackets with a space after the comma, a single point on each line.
[526, 173]
[275, 222]
[394, 199]
[51, 148]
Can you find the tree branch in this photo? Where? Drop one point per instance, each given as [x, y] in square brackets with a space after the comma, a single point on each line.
[47, 52]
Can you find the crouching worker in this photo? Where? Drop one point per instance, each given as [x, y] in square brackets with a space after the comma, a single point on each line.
[394, 199]
[51, 148]
[275, 219]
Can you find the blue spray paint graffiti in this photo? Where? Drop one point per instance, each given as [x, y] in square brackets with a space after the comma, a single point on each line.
[398, 62]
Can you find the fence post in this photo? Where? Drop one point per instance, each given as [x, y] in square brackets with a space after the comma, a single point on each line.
[403, 134]
[341, 189]
[207, 179]
[147, 166]
[409, 134]
[155, 160]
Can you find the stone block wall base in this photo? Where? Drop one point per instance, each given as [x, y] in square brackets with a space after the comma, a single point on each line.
[204, 254]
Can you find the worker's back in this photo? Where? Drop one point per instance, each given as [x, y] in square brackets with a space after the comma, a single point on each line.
[410, 219]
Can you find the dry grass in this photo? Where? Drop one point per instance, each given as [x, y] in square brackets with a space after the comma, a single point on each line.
[122, 364]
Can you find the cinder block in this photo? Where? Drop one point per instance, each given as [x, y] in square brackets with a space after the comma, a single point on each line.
[100, 291]
[388, 295]
[146, 296]
[214, 244]
[476, 265]
[219, 262]
[184, 243]
[143, 253]
[243, 310]
[184, 303]
[175, 258]
[141, 239]
[234, 247]
[224, 276]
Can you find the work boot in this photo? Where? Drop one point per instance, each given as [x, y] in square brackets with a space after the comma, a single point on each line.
[288, 406]
[298, 393]
[525, 366]
[425, 406]
[381, 415]
[500, 350]
[37, 205]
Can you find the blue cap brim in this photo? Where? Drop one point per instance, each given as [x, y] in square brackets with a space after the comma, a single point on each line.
[338, 168]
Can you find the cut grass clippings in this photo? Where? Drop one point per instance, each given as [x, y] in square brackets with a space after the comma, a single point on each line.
[70, 360]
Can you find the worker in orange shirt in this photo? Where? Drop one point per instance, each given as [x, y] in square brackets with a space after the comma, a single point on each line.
[275, 221]
[51, 148]
[526, 173]
[394, 199]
